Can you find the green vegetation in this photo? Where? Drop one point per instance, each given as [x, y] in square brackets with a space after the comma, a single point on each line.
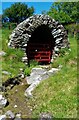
[11, 62]
[57, 95]
[17, 12]
[5, 38]
[72, 29]
[27, 70]
[64, 12]
[0, 40]
[0, 57]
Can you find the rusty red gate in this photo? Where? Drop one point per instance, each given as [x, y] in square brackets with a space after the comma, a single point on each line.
[39, 52]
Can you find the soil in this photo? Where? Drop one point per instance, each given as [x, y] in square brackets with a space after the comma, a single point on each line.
[18, 103]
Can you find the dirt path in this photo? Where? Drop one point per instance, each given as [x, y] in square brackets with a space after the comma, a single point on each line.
[17, 101]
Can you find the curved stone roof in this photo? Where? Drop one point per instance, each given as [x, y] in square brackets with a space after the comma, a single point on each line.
[21, 34]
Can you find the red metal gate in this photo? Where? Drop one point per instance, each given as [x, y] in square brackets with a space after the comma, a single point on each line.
[39, 52]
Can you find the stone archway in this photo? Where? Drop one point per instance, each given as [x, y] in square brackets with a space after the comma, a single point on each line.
[24, 32]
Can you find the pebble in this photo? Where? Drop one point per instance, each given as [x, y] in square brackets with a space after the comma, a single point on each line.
[21, 69]
[3, 101]
[22, 83]
[2, 53]
[10, 114]
[18, 115]
[16, 90]
[22, 76]
[6, 72]
[15, 106]
[2, 117]
[45, 116]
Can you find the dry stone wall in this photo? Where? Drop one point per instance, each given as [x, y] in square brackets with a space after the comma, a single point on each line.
[21, 34]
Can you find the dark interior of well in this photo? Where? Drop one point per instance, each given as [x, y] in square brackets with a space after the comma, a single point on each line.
[41, 44]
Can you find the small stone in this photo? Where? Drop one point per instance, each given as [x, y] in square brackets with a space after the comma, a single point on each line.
[15, 106]
[16, 90]
[22, 76]
[25, 45]
[3, 101]
[22, 83]
[45, 116]
[26, 63]
[6, 73]
[60, 66]
[21, 69]
[2, 117]
[52, 59]
[18, 115]
[10, 114]
[31, 109]
[53, 70]
[28, 94]
[2, 53]
[24, 59]
[56, 55]
[56, 49]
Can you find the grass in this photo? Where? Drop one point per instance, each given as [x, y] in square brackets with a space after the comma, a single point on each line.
[0, 57]
[56, 95]
[0, 39]
[11, 62]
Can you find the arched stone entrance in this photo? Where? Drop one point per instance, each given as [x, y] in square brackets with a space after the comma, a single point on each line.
[39, 29]
[41, 44]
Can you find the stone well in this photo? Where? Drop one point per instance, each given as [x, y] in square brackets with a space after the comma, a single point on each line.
[39, 29]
